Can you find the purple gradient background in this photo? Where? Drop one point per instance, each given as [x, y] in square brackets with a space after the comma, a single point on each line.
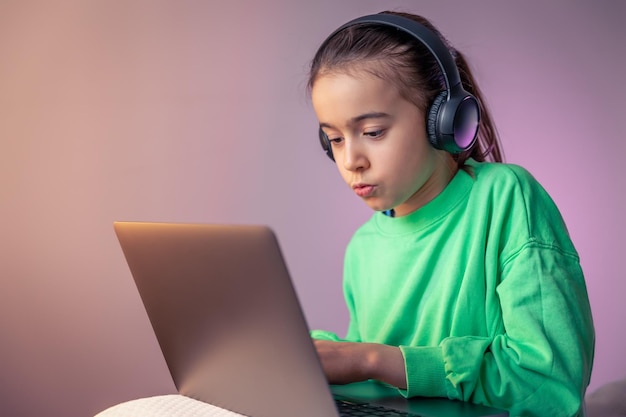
[196, 111]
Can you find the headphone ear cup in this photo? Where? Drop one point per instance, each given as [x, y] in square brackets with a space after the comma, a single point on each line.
[432, 128]
[325, 144]
[452, 124]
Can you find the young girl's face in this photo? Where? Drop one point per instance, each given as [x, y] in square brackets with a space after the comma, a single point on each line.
[379, 142]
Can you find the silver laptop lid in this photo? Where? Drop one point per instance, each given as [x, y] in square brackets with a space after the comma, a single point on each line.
[226, 316]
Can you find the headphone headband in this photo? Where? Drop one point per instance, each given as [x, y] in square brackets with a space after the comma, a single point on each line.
[427, 37]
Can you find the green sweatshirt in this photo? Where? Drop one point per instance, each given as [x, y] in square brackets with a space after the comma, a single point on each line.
[483, 292]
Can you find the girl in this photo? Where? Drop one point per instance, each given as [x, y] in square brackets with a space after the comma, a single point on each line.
[464, 283]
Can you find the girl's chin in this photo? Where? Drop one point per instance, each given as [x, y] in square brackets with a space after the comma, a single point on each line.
[377, 205]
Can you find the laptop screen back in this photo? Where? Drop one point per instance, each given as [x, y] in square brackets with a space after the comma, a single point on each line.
[226, 316]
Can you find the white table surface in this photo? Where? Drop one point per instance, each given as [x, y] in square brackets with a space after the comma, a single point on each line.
[171, 405]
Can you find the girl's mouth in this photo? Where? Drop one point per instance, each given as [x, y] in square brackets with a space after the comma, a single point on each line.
[363, 190]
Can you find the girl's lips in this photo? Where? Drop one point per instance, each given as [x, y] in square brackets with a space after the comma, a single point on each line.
[363, 190]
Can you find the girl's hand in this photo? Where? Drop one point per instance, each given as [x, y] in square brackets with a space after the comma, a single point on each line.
[346, 362]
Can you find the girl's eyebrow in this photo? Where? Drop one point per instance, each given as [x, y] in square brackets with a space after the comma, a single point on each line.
[361, 117]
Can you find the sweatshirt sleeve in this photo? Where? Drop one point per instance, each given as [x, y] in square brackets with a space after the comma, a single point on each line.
[324, 335]
[540, 364]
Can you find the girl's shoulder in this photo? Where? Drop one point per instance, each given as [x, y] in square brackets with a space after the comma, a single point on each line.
[506, 179]
[516, 199]
[501, 173]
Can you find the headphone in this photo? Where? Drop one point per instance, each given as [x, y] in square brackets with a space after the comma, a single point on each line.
[453, 117]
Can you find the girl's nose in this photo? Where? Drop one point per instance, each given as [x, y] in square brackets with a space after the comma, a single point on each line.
[354, 157]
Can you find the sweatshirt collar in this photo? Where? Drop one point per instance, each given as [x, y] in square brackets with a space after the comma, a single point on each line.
[454, 193]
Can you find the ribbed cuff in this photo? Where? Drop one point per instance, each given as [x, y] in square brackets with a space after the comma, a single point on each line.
[425, 372]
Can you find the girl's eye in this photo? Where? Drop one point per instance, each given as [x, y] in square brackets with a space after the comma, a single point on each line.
[335, 141]
[374, 133]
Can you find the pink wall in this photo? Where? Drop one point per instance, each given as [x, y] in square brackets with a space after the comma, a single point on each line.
[192, 111]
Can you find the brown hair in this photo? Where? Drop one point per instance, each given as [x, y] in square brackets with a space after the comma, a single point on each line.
[403, 60]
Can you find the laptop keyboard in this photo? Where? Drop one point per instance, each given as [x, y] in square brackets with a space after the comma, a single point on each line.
[350, 409]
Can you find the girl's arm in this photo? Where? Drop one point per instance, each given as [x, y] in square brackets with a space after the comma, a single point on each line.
[346, 362]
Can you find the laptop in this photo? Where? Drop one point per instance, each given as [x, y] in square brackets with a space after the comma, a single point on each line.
[231, 329]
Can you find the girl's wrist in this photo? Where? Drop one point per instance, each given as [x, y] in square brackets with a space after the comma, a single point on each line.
[385, 363]
[372, 361]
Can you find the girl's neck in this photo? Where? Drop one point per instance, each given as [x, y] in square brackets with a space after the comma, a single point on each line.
[445, 169]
